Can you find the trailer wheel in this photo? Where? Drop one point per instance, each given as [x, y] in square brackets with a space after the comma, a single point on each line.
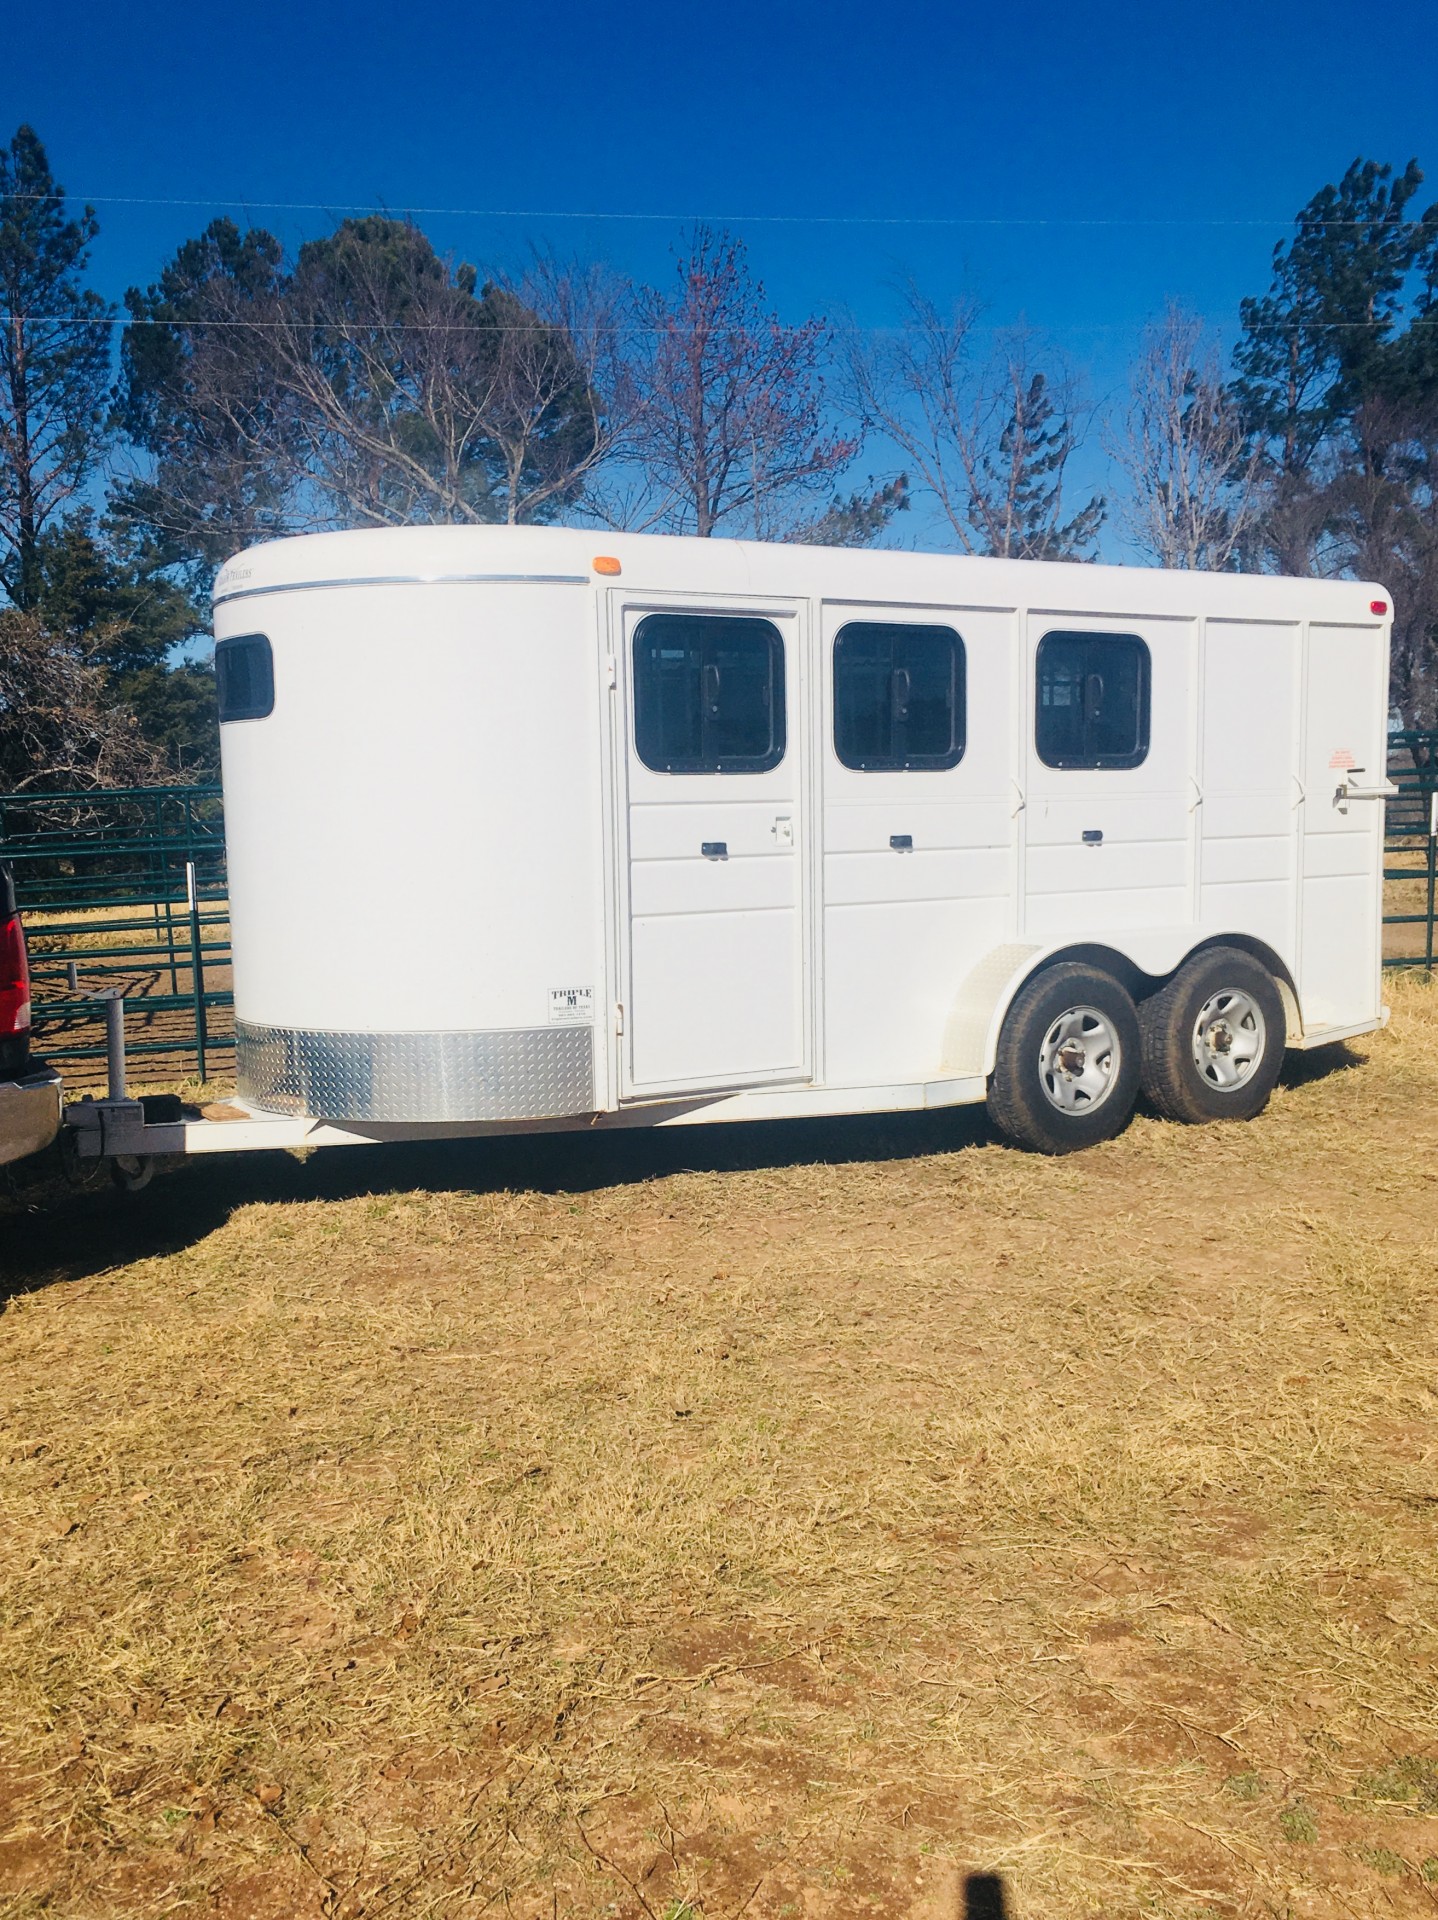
[132, 1172]
[1066, 1073]
[1213, 1039]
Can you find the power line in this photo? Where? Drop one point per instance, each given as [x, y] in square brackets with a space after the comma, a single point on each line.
[720, 219]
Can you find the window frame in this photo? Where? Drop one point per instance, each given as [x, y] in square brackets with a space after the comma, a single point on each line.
[1103, 762]
[724, 764]
[959, 713]
[259, 708]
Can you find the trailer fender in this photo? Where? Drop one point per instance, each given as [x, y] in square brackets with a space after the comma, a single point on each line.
[1148, 957]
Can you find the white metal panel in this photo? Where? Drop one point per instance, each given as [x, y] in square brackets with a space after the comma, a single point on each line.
[414, 832]
[716, 998]
[882, 879]
[1256, 859]
[1345, 708]
[903, 927]
[1247, 781]
[713, 950]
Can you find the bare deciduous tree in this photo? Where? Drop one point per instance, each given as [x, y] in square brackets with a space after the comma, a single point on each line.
[731, 422]
[60, 723]
[1193, 496]
[990, 440]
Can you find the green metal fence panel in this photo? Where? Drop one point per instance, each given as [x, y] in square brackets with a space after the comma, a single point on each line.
[1410, 848]
[124, 889]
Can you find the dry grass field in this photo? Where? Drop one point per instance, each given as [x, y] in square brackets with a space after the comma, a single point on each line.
[788, 1521]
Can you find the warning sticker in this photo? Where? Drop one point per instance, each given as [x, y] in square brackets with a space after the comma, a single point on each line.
[571, 1006]
[1341, 760]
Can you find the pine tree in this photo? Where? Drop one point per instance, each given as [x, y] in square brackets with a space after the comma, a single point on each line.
[1018, 494]
[1317, 342]
[54, 361]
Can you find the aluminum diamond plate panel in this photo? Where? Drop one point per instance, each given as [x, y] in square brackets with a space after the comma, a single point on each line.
[522, 1074]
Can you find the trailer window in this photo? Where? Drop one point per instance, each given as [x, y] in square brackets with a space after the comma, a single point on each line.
[708, 693]
[1093, 700]
[898, 696]
[245, 677]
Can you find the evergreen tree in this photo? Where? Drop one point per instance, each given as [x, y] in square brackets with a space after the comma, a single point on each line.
[100, 589]
[858, 520]
[197, 395]
[1338, 386]
[1317, 342]
[54, 361]
[1017, 499]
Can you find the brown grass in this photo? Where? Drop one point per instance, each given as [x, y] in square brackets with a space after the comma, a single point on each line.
[786, 1521]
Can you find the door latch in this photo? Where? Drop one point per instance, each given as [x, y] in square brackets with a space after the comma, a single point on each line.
[1348, 790]
[783, 831]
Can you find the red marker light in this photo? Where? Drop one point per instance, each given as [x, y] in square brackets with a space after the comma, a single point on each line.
[1378, 606]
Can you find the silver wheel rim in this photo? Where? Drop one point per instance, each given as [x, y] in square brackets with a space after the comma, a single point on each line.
[1079, 1060]
[1229, 1037]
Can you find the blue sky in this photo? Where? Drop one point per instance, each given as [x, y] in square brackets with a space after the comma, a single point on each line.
[1074, 167]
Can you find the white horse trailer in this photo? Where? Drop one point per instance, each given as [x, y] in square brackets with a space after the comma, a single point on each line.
[538, 828]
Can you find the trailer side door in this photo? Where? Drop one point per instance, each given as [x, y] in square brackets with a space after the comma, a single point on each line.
[713, 922]
[1108, 788]
[1345, 708]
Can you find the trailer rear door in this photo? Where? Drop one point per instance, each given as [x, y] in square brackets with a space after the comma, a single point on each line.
[1341, 877]
[714, 919]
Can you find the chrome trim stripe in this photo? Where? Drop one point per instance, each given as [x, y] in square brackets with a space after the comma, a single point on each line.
[411, 580]
[524, 1073]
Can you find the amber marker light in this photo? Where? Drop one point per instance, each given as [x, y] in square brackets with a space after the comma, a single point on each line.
[605, 563]
[1374, 606]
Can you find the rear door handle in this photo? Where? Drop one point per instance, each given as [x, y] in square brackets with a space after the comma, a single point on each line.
[1350, 789]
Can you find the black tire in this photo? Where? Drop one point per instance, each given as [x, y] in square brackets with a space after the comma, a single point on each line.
[1195, 1029]
[1047, 1109]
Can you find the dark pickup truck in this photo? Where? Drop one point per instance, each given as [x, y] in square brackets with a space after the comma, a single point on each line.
[29, 1091]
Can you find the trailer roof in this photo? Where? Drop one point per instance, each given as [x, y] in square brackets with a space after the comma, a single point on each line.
[668, 563]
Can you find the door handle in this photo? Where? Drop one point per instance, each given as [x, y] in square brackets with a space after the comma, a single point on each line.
[1385, 790]
[902, 842]
[714, 849]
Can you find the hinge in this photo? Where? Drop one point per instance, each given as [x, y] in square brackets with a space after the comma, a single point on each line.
[611, 671]
[619, 1016]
